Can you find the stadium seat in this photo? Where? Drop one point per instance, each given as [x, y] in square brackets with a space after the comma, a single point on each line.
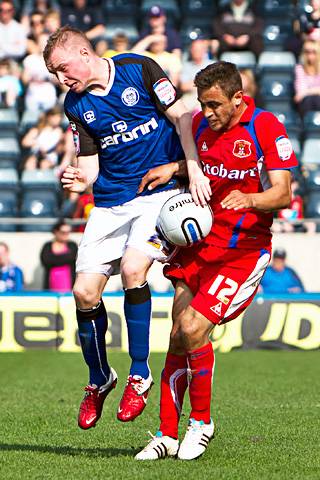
[40, 179]
[241, 59]
[193, 28]
[8, 122]
[198, 8]
[311, 125]
[29, 119]
[291, 121]
[310, 152]
[9, 152]
[269, 9]
[276, 34]
[312, 178]
[9, 202]
[312, 208]
[36, 204]
[276, 62]
[273, 87]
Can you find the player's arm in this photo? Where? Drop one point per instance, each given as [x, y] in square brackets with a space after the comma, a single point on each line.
[199, 184]
[276, 197]
[85, 167]
[78, 177]
[163, 94]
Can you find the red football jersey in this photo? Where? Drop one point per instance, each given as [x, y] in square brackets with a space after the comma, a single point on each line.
[238, 159]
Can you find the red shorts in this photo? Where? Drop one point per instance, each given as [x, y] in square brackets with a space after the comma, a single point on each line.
[223, 280]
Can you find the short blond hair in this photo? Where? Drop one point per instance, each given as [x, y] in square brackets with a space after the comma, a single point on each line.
[61, 37]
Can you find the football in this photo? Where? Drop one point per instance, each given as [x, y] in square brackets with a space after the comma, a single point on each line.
[182, 222]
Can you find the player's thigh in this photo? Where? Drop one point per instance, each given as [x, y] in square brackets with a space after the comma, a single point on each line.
[190, 327]
[228, 287]
[88, 289]
[143, 235]
[104, 241]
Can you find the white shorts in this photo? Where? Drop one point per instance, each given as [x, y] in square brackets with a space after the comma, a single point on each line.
[110, 231]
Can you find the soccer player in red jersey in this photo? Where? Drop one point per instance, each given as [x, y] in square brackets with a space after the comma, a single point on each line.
[246, 157]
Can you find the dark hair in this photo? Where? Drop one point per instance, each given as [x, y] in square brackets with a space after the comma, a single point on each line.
[224, 74]
[61, 36]
[58, 225]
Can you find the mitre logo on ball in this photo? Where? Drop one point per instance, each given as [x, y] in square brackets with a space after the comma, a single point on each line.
[182, 222]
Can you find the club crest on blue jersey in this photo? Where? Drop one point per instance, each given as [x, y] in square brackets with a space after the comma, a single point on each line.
[130, 96]
[89, 116]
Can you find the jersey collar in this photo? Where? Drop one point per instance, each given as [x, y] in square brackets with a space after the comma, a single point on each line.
[247, 114]
[111, 80]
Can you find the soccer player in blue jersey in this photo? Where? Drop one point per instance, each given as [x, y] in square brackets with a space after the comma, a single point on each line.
[125, 115]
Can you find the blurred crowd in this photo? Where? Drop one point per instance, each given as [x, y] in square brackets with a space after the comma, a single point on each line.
[183, 38]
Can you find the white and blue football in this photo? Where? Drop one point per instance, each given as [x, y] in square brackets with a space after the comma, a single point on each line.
[182, 222]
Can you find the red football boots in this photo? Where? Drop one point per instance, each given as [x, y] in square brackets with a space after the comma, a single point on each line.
[92, 403]
[134, 397]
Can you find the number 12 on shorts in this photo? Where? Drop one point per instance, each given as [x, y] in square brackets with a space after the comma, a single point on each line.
[225, 292]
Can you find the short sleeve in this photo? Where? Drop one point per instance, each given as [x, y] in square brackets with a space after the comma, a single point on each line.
[158, 85]
[84, 144]
[274, 142]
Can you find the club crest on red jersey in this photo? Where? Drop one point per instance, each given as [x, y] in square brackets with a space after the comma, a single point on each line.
[242, 148]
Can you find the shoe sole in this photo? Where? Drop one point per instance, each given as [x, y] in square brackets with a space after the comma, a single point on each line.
[131, 419]
[87, 427]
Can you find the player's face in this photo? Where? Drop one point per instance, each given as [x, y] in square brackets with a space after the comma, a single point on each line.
[71, 68]
[218, 109]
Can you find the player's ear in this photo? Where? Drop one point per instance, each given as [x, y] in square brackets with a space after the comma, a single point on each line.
[238, 98]
[84, 53]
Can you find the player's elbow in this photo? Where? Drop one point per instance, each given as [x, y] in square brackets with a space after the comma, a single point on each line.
[284, 200]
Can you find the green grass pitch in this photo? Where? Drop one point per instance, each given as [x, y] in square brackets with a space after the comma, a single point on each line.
[266, 407]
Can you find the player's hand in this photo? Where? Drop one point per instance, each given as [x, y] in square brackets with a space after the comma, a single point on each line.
[157, 176]
[73, 180]
[200, 189]
[237, 200]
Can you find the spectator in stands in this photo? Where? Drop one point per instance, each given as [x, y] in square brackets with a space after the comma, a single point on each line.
[13, 36]
[58, 259]
[10, 85]
[35, 32]
[52, 21]
[198, 59]
[292, 214]
[238, 28]
[41, 93]
[157, 25]
[250, 86]
[155, 47]
[11, 276]
[39, 6]
[307, 78]
[85, 203]
[120, 43]
[279, 278]
[45, 141]
[86, 18]
[309, 21]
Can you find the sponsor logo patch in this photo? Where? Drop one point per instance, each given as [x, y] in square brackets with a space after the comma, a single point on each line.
[89, 116]
[130, 96]
[119, 127]
[165, 91]
[284, 148]
[241, 148]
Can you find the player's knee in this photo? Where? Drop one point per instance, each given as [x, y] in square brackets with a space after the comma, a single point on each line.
[85, 297]
[133, 274]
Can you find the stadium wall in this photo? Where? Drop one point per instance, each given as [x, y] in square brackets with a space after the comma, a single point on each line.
[303, 255]
[44, 320]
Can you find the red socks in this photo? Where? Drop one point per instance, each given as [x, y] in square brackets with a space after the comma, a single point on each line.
[173, 386]
[201, 363]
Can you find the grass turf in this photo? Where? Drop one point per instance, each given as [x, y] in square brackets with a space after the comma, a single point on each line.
[265, 404]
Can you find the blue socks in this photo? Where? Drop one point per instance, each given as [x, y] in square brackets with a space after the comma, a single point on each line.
[93, 323]
[137, 309]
